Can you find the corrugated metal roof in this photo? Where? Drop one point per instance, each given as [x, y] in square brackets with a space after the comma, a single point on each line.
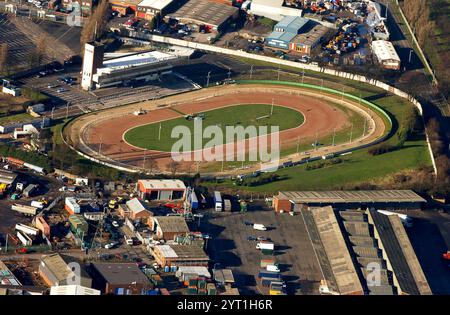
[334, 257]
[162, 184]
[351, 196]
[400, 253]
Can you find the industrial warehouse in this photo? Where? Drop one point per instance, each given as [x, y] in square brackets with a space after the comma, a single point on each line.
[350, 244]
[403, 199]
[212, 14]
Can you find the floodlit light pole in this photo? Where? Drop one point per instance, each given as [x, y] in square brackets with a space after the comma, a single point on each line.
[298, 144]
[53, 110]
[159, 132]
[334, 136]
[67, 110]
[100, 146]
[251, 72]
[207, 79]
[229, 73]
[271, 109]
[351, 133]
[410, 56]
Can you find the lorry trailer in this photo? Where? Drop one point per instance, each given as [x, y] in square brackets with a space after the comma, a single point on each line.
[217, 201]
[27, 210]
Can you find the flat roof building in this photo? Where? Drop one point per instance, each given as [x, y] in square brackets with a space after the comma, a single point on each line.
[180, 255]
[295, 200]
[161, 189]
[204, 12]
[386, 55]
[120, 279]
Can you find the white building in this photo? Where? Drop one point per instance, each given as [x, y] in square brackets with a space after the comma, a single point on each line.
[161, 189]
[386, 55]
[92, 60]
[26, 130]
[272, 9]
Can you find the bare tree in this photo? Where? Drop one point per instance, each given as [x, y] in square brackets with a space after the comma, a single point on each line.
[173, 166]
[150, 164]
[4, 56]
[96, 25]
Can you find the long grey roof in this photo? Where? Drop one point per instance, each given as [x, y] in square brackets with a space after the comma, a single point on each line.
[351, 196]
[400, 253]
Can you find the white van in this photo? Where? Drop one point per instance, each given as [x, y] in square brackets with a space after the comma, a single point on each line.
[259, 227]
[273, 268]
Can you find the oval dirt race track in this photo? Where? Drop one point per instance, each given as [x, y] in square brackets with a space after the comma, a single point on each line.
[320, 117]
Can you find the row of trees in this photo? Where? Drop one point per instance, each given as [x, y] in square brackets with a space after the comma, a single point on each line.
[418, 15]
[96, 26]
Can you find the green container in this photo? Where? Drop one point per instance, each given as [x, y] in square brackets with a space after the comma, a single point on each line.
[202, 284]
[192, 291]
[192, 282]
[267, 252]
[211, 289]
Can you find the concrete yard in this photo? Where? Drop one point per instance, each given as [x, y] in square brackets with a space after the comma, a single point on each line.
[293, 249]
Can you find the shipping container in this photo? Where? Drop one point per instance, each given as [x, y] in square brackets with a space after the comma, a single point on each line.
[29, 190]
[211, 287]
[26, 241]
[42, 226]
[27, 229]
[27, 210]
[267, 252]
[217, 201]
[269, 274]
[193, 200]
[227, 204]
[266, 262]
[72, 206]
[15, 161]
[35, 168]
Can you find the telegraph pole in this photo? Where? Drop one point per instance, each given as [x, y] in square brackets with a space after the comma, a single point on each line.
[351, 133]
[100, 147]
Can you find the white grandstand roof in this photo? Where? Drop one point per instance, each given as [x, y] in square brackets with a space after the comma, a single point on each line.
[155, 4]
[384, 50]
[134, 60]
